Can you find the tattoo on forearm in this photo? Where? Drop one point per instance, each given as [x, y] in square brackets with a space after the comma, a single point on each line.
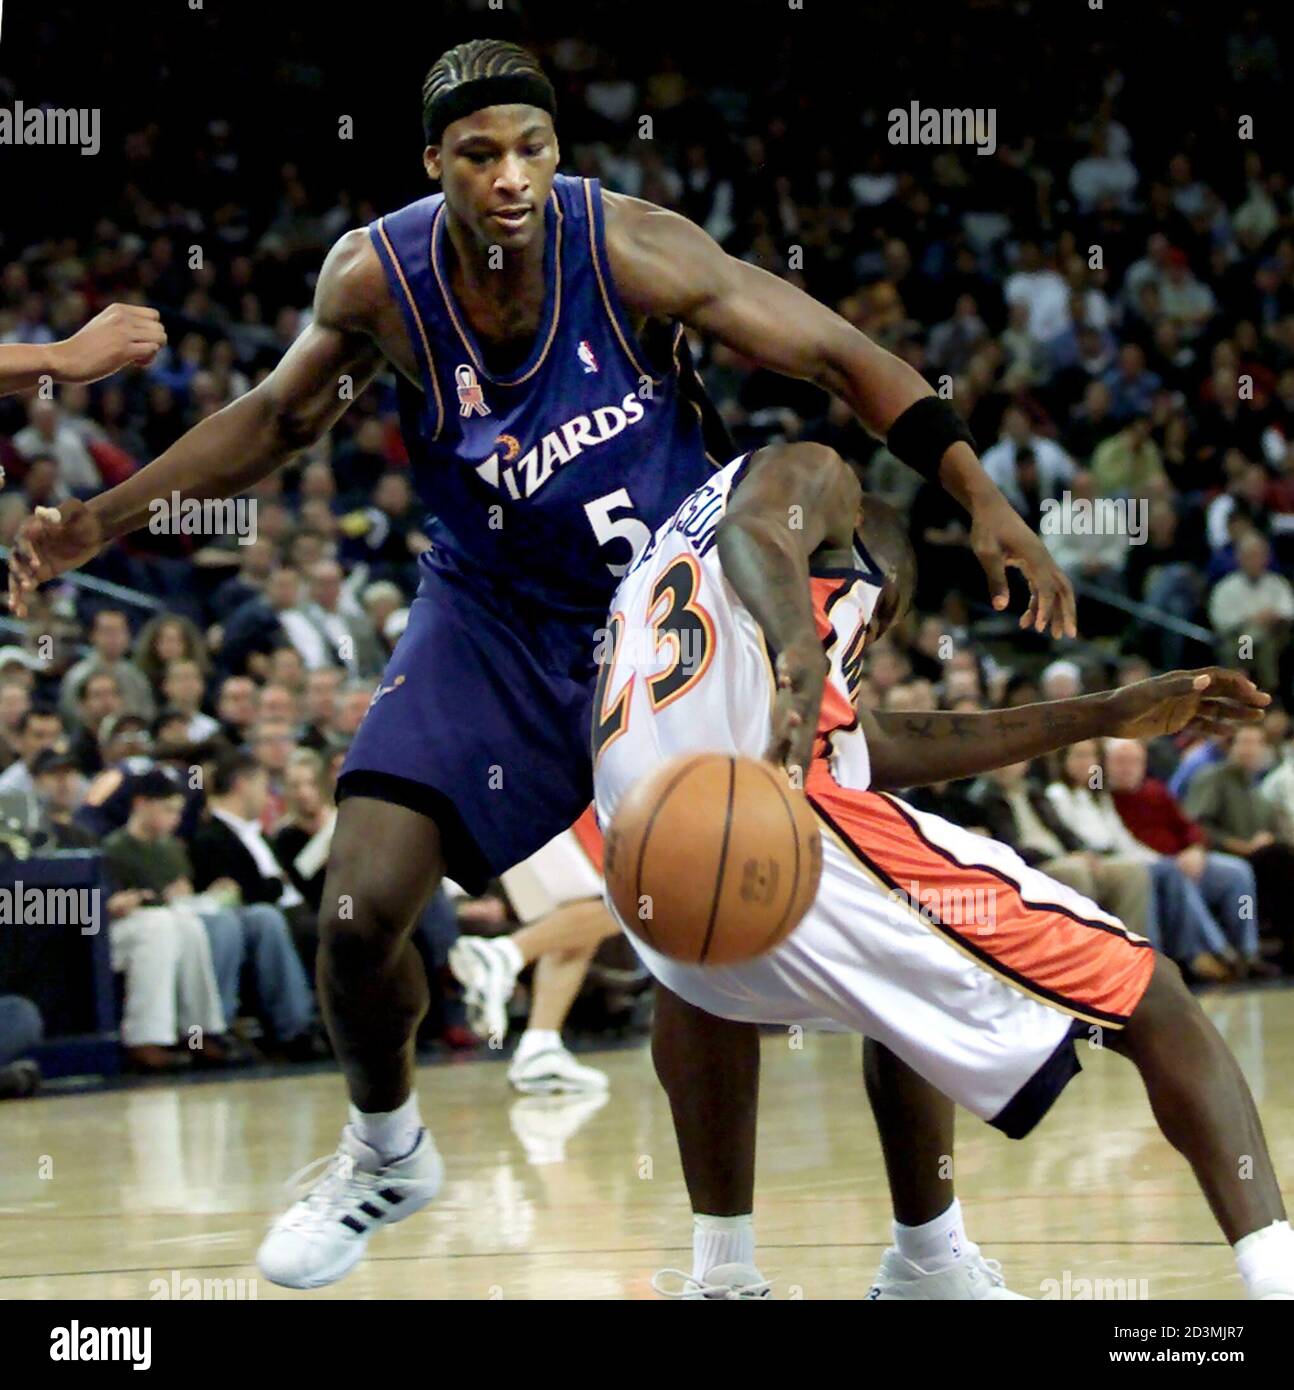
[938, 746]
[963, 727]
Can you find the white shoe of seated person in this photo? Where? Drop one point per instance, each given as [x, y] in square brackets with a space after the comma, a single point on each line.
[552, 1071]
[487, 969]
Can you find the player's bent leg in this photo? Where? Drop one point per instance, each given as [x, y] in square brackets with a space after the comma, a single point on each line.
[373, 994]
[932, 1257]
[542, 1064]
[1204, 1108]
[577, 926]
[487, 966]
[709, 1068]
[557, 894]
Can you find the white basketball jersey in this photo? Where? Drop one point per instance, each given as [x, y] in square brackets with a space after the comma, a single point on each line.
[684, 666]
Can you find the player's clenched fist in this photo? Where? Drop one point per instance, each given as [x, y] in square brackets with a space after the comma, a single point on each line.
[121, 336]
[51, 541]
[1205, 702]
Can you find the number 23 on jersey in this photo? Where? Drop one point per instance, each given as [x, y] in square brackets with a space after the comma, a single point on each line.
[671, 648]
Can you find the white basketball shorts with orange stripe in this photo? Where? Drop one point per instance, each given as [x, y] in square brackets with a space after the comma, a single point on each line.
[976, 970]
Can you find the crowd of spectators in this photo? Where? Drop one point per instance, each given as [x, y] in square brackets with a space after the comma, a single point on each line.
[213, 830]
[1111, 309]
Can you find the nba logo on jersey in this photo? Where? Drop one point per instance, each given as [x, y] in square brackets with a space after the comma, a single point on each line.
[585, 353]
[470, 396]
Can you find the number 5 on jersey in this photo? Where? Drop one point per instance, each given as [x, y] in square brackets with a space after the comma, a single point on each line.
[625, 528]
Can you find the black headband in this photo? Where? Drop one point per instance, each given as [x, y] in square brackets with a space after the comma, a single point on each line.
[510, 89]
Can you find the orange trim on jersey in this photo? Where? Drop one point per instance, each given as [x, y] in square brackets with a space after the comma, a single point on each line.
[417, 318]
[612, 316]
[691, 606]
[620, 705]
[836, 712]
[680, 338]
[1086, 967]
[589, 837]
[557, 298]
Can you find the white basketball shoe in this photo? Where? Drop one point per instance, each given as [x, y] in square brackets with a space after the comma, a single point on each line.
[971, 1277]
[487, 968]
[553, 1071]
[323, 1236]
[727, 1283]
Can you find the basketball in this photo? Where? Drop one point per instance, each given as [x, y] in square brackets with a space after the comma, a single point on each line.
[713, 859]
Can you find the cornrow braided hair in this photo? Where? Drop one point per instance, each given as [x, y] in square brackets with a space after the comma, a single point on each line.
[471, 62]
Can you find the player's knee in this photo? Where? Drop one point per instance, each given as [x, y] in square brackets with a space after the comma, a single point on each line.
[363, 926]
[1166, 999]
[1167, 988]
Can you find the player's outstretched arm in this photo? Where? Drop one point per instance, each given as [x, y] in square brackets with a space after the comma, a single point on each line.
[916, 749]
[794, 502]
[239, 445]
[122, 335]
[667, 267]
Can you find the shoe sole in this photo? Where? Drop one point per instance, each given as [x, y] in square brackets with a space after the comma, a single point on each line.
[555, 1086]
[885, 1297]
[334, 1272]
[354, 1252]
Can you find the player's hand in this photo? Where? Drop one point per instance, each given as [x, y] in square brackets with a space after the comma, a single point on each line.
[1204, 702]
[801, 675]
[121, 335]
[1001, 539]
[51, 541]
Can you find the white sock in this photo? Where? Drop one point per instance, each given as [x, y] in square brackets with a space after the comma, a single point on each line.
[721, 1240]
[393, 1133]
[537, 1040]
[936, 1244]
[1267, 1257]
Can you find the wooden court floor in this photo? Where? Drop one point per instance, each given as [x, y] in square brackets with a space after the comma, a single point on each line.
[102, 1195]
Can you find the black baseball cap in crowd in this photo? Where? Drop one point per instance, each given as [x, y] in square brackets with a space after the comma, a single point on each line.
[155, 785]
